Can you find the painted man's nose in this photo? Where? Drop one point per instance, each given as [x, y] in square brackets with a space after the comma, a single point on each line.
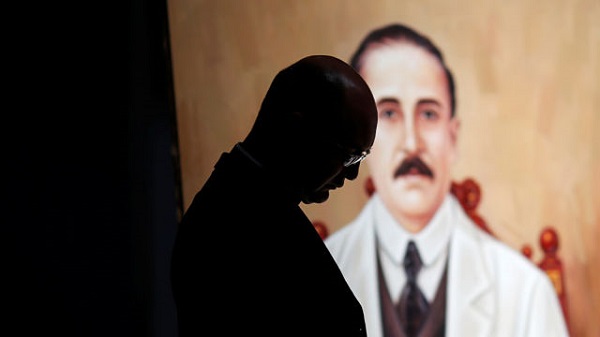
[412, 143]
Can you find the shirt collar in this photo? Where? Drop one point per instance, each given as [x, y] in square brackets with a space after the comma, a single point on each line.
[431, 241]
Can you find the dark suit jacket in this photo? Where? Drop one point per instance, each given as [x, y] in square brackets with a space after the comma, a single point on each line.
[247, 261]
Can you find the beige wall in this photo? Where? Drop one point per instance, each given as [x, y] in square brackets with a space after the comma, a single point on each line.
[528, 77]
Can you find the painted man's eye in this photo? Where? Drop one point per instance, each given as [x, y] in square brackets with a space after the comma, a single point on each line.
[429, 114]
[388, 113]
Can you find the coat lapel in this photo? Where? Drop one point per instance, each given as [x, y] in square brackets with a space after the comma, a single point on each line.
[362, 275]
[470, 302]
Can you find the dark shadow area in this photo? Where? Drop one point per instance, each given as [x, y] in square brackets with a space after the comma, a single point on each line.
[92, 189]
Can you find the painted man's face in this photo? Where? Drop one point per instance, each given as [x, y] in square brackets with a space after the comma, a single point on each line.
[415, 144]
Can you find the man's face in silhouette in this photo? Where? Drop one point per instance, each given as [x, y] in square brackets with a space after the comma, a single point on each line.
[330, 154]
[415, 144]
[340, 134]
[332, 177]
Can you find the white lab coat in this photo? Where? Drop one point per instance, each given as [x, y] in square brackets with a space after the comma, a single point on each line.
[492, 289]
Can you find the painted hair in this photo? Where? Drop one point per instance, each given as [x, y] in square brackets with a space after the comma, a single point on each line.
[401, 33]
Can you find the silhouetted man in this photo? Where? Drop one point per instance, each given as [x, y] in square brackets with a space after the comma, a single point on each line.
[247, 261]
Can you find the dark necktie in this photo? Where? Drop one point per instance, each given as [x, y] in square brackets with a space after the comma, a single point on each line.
[413, 307]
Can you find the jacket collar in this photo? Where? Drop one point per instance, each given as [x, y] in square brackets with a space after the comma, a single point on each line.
[470, 301]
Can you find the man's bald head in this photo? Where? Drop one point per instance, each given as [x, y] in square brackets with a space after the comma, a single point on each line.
[316, 113]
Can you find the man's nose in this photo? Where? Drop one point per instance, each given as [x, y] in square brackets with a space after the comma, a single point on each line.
[412, 139]
[351, 172]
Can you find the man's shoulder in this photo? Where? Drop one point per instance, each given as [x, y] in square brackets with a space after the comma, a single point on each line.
[496, 252]
[500, 256]
[344, 236]
[357, 232]
[358, 224]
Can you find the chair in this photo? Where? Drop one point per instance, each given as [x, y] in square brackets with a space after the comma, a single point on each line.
[551, 264]
[321, 228]
[468, 193]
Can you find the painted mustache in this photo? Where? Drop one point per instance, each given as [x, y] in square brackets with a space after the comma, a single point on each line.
[413, 165]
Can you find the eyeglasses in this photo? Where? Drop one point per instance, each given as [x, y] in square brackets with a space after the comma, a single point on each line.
[356, 157]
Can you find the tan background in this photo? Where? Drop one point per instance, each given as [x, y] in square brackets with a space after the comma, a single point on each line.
[528, 78]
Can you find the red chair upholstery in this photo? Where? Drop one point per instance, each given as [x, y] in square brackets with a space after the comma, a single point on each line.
[468, 194]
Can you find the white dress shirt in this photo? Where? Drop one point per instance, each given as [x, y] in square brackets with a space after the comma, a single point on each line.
[432, 243]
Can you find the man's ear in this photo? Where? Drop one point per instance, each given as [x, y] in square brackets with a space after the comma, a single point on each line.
[454, 128]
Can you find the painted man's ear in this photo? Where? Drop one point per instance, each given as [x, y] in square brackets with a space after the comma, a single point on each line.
[454, 130]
